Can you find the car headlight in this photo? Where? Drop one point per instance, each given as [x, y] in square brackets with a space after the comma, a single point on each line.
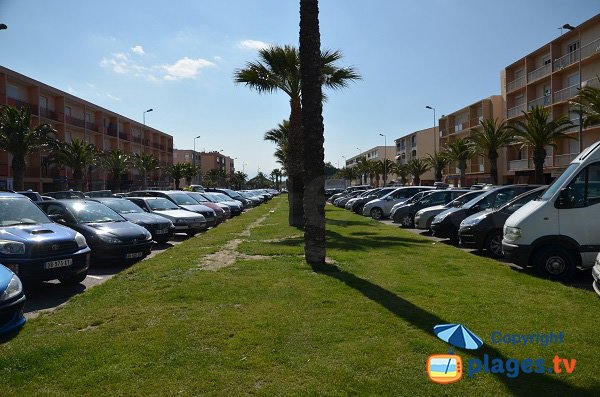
[439, 218]
[148, 235]
[13, 289]
[471, 221]
[9, 247]
[80, 240]
[512, 234]
[109, 239]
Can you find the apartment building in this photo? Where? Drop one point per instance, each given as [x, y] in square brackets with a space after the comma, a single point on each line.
[550, 76]
[417, 145]
[377, 153]
[205, 160]
[461, 124]
[73, 117]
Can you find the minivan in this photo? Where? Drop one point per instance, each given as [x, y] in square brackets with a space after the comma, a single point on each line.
[559, 230]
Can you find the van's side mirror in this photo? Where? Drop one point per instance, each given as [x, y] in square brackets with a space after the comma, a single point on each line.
[564, 201]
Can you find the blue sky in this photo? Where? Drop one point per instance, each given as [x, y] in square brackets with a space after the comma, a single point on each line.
[179, 57]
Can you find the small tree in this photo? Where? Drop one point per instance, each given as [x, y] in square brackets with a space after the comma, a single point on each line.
[145, 164]
[460, 150]
[176, 173]
[117, 163]
[438, 162]
[488, 139]
[416, 168]
[588, 98]
[189, 171]
[77, 155]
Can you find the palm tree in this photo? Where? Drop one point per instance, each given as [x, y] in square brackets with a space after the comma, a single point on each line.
[176, 173]
[459, 150]
[77, 155]
[438, 161]
[537, 132]
[387, 166]
[216, 177]
[588, 98]
[402, 171]
[20, 140]
[488, 139]
[279, 136]
[416, 168]
[377, 170]
[145, 164]
[189, 171]
[238, 179]
[349, 173]
[277, 174]
[279, 70]
[117, 163]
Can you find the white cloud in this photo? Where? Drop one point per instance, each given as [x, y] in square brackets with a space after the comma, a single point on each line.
[252, 44]
[114, 98]
[138, 50]
[217, 58]
[185, 68]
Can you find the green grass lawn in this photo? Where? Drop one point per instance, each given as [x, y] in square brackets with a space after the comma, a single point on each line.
[269, 325]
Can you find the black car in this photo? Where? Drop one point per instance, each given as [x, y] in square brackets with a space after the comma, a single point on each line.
[162, 229]
[108, 234]
[246, 203]
[446, 224]
[66, 195]
[181, 199]
[405, 213]
[484, 230]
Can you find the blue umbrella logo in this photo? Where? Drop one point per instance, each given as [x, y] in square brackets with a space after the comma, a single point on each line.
[458, 335]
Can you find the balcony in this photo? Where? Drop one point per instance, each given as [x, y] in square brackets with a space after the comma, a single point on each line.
[564, 159]
[539, 72]
[49, 114]
[515, 84]
[17, 103]
[527, 164]
[162, 147]
[112, 130]
[75, 121]
[91, 126]
[473, 168]
[137, 139]
[566, 60]
[155, 145]
[123, 135]
[566, 93]
[476, 122]
[590, 49]
[516, 111]
[541, 101]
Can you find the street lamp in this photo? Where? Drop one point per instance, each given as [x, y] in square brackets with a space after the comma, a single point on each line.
[569, 27]
[434, 134]
[3, 26]
[144, 122]
[194, 157]
[384, 159]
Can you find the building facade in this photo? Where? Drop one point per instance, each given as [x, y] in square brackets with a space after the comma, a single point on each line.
[377, 153]
[73, 117]
[207, 161]
[417, 145]
[551, 76]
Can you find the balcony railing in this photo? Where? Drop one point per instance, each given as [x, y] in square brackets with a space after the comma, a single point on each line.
[516, 111]
[112, 130]
[49, 114]
[541, 101]
[515, 84]
[566, 93]
[146, 142]
[564, 159]
[124, 136]
[476, 122]
[527, 164]
[91, 126]
[155, 145]
[137, 139]
[539, 72]
[162, 147]
[566, 60]
[590, 48]
[22, 104]
[75, 121]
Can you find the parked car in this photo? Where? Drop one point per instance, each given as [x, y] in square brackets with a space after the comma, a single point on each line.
[109, 235]
[331, 192]
[235, 206]
[405, 213]
[254, 199]
[221, 210]
[181, 199]
[483, 230]
[446, 224]
[359, 204]
[424, 217]
[349, 190]
[363, 195]
[12, 302]
[162, 229]
[185, 221]
[99, 193]
[66, 195]
[33, 196]
[197, 188]
[380, 208]
[560, 230]
[341, 201]
[246, 203]
[37, 249]
[409, 202]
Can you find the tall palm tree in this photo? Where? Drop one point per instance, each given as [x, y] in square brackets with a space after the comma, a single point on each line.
[459, 150]
[489, 137]
[363, 168]
[238, 179]
[20, 140]
[416, 168]
[537, 132]
[278, 69]
[279, 136]
[387, 166]
[145, 164]
[176, 173]
[117, 163]
[588, 98]
[77, 155]
[438, 161]
[277, 174]
[402, 171]
[377, 170]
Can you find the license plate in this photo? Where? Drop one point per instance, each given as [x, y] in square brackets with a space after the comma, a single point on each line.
[134, 255]
[195, 225]
[58, 263]
[162, 231]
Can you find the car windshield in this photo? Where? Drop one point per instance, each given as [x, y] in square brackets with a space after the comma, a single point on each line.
[383, 192]
[460, 201]
[518, 202]
[210, 197]
[162, 204]
[558, 182]
[476, 200]
[182, 199]
[223, 197]
[123, 206]
[92, 212]
[198, 197]
[20, 211]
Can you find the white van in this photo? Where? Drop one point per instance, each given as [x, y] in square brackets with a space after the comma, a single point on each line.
[561, 229]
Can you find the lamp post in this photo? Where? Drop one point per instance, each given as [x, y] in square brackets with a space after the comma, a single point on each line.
[569, 27]
[384, 159]
[195, 157]
[3, 26]
[356, 162]
[434, 134]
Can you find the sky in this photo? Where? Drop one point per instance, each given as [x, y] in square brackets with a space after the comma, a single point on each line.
[179, 58]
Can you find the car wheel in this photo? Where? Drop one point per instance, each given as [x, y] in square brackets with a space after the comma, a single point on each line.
[73, 280]
[407, 220]
[493, 244]
[555, 263]
[376, 213]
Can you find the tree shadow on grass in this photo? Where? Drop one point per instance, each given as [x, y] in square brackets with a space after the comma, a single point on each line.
[525, 384]
[339, 222]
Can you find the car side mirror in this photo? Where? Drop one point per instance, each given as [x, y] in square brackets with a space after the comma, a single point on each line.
[564, 201]
[476, 208]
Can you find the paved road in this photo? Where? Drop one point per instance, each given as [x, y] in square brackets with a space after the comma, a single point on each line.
[49, 295]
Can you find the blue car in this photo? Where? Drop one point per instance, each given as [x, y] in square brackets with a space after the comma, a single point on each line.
[37, 249]
[12, 301]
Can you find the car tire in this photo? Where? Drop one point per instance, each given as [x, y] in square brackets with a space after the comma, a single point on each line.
[493, 244]
[376, 213]
[555, 263]
[73, 280]
[408, 221]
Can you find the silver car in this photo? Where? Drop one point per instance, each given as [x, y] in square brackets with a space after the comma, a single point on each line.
[424, 217]
[185, 221]
[380, 208]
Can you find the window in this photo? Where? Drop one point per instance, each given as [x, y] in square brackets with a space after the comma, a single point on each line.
[67, 111]
[43, 102]
[584, 190]
[519, 99]
[546, 60]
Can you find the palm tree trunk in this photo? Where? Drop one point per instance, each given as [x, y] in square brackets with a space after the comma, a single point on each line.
[295, 165]
[18, 166]
[116, 183]
[438, 174]
[312, 108]
[493, 157]
[539, 155]
[462, 165]
[144, 180]
[416, 180]
[78, 177]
